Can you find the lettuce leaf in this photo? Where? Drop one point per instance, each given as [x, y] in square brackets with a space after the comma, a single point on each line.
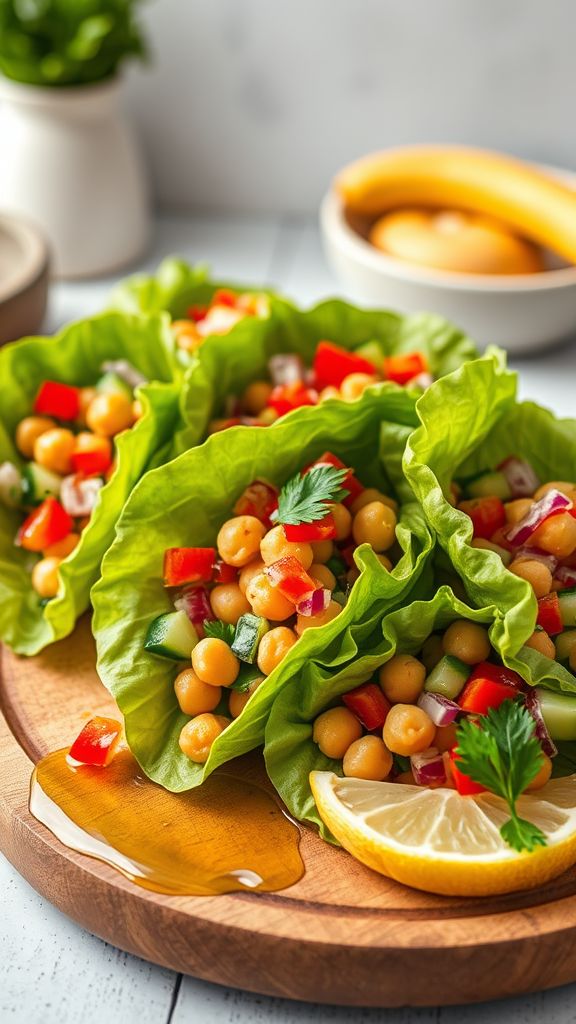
[172, 289]
[185, 502]
[75, 356]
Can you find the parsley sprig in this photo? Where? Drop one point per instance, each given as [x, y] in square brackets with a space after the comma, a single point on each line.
[500, 751]
[303, 499]
[217, 630]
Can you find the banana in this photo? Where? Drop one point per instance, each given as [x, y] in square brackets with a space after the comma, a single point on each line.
[531, 202]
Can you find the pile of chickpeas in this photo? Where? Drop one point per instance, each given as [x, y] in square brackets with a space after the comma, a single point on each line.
[408, 729]
[225, 310]
[246, 544]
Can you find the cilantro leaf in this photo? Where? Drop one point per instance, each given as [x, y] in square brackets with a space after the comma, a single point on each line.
[218, 630]
[303, 499]
[500, 751]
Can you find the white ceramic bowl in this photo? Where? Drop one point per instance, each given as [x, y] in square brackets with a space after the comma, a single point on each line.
[523, 313]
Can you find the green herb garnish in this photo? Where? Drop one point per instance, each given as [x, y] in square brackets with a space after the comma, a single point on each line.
[500, 751]
[303, 499]
[217, 630]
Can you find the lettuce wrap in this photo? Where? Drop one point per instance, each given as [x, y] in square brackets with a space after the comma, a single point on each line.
[184, 503]
[75, 356]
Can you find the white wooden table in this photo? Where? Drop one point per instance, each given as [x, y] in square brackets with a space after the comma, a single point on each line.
[52, 972]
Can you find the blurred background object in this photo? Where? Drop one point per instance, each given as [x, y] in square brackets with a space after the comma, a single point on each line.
[68, 159]
[24, 266]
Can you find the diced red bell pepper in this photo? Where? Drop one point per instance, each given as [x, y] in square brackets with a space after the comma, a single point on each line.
[464, 784]
[260, 499]
[403, 368]
[498, 674]
[482, 692]
[92, 455]
[197, 313]
[368, 704]
[97, 743]
[286, 397]
[224, 573]
[332, 364]
[322, 529]
[289, 577]
[487, 515]
[188, 565]
[549, 616]
[351, 482]
[224, 297]
[46, 525]
[59, 400]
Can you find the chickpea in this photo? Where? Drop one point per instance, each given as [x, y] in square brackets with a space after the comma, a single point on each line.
[186, 334]
[335, 730]
[372, 494]
[53, 450]
[321, 574]
[367, 758]
[238, 540]
[237, 701]
[87, 442]
[535, 573]
[408, 730]
[540, 641]
[568, 643]
[274, 647]
[29, 430]
[352, 575]
[267, 601]
[488, 545]
[402, 679]
[354, 385]
[543, 775]
[516, 510]
[194, 696]
[445, 737]
[467, 641]
[375, 524]
[110, 413]
[304, 622]
[214, 662]
[322, 551]
[385, 561]
[85, 397]
[255, 397]
[556, 535]
[432, 651]
[198, 735]
[454, 494]
[62, 548]
[268, 417]
[564, 486]
[45, 578]
[328, 392]
[342, 520]
[274, 546]
[249, 572]
[228, 602]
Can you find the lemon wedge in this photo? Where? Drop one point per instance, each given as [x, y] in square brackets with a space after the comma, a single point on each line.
[441, 842]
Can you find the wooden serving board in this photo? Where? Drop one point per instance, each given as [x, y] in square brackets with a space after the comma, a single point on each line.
[342, 934]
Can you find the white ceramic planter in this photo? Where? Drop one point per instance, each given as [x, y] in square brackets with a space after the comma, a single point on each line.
[68, 161]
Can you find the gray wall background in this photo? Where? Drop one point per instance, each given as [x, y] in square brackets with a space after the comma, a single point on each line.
[251, 105]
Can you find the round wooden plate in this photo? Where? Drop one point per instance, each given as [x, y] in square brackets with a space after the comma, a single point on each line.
[343, 934]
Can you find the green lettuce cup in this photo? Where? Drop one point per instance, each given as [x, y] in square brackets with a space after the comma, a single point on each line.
[470, 422]
[184, 503]
[75, 357]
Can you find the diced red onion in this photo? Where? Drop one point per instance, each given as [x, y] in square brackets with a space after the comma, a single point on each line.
[123, 369]
[553, 501]
[428, 768]
[542, 734]
[441, 710]
[537, 555]
[286, 369]
[196, 603]
[315, 602]
[10, 485]
[520, 476]
[421, 380]
[78, 495]
[566, 574]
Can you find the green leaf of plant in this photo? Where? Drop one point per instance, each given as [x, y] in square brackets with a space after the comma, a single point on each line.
[219, 630]
[304, 498]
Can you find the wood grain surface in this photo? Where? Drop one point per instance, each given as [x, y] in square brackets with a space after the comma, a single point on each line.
[341, 935]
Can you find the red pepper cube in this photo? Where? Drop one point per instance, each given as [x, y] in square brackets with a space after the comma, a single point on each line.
[188, 565]
[46, 525]
[224, 297]
[369, 704]
[97, 742]
[403, 368]
[322, 529]
[284, 398]
[260, 499]
[351, 482]
[92, 455]
[464, 784]
[59, 400]
[481, 692]
[332, 364]
[224, 573]
[497, 674]
[487, 515]
[290, 578]
[549, 616]
[197, 313]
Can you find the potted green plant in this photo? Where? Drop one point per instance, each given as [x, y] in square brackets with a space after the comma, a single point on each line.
[68, 159]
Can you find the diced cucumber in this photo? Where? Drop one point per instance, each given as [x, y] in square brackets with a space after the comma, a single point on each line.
[559, 713]
[372, 351]
[171, 636]
[448, 677]
[39, 483]
[487, 485]
[564, 643]
[249, 631]
[567, 602]
[113, 383]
